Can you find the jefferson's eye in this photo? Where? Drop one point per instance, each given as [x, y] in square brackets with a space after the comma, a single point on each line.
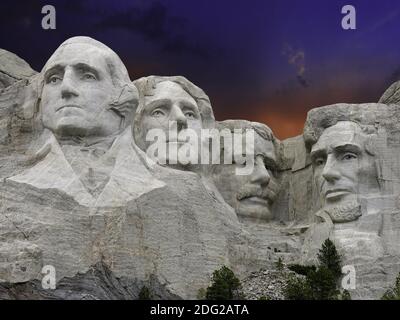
[349, 156]
[89, 76]
[190, 115]
[157, 113]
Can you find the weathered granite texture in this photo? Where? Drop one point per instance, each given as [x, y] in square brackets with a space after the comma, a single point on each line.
[392, 94]
[13, 69]
[79, 192]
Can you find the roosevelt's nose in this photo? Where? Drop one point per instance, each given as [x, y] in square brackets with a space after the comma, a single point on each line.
[260, 174]
[68, 85]
[178, 116]
[330, 171]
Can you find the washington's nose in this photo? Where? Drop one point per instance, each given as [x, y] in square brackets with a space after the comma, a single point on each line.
[260, 173]
[68, 88]
[178, 116]
[330, 172]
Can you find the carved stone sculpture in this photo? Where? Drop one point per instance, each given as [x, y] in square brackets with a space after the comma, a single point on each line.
[79, 192]
[251, 195]
[171, 104]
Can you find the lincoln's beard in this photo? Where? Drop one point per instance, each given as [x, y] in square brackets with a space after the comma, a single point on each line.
[346, 212]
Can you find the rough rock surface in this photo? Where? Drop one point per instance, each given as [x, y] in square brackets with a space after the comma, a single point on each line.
[111, 220]
[98, 283]
[392, 94]
[13, 69]
[266, 284]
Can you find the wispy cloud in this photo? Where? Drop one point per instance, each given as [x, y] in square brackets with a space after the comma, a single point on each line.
[296, 58]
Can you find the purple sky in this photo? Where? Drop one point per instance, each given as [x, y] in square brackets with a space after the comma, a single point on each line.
[267, 61]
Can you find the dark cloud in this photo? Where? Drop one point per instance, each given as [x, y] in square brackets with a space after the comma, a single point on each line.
[156, 24]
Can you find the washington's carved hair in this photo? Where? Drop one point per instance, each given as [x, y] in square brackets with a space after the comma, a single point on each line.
[125, 96]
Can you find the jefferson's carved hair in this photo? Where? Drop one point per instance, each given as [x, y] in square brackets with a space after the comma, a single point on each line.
[146, 86]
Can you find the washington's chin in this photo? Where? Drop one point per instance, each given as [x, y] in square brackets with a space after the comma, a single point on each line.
[255, 208]
[71, 126]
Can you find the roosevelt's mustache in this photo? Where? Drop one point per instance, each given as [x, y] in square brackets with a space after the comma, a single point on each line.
[251, 190]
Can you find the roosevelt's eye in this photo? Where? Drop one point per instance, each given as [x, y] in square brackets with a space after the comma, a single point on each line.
[349, 156]
[157, 113]
[89, 76]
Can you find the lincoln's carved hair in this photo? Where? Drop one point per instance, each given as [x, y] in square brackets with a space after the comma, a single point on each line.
[125, 97]
[322, 118]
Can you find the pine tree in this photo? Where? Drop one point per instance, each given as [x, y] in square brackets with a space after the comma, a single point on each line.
[224, 285]
[393, 293]
[145, 293]
[329, 258]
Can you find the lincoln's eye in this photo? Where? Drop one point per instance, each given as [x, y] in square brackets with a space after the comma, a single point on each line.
[157, 113]
[89, 76]
[349, 156]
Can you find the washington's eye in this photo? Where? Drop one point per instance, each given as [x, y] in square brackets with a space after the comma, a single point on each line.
[319, 161]
[349, 156]
[157, 113]
[89, 76]
[54, 79]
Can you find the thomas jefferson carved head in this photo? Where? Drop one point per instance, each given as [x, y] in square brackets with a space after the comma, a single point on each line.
[170, 104]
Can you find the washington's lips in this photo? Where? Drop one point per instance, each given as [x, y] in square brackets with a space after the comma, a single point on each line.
[335, 193]
[68, 106]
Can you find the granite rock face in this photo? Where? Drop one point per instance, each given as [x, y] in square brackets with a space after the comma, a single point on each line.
[392, 94]
[79, 191]
[13, 69]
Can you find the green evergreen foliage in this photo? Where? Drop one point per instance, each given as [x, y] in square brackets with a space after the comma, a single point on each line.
[322, 284]
[201, 294]
[329, 258]
[224, 285]
[303, 270]
[345, 295]
[318, 282]
[279, 264]
[145, 294]
[393, 293]
[297, 289]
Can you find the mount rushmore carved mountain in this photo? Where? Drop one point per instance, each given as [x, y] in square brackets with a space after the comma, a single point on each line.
[80, 192]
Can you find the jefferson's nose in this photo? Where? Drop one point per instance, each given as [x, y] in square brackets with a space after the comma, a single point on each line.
[330, 172]
[68, 87]
[178, 116]
[260, 173]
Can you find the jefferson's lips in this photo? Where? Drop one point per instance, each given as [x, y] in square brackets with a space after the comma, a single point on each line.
[68, 106]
